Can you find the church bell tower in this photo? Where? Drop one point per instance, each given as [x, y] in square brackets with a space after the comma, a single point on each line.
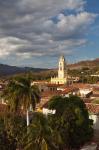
[62, 68]
[62, 73]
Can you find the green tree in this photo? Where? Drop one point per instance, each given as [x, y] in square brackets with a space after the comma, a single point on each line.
[40, 135]
[71, 121]
[20, 94]
[15, 126]
[7, 142]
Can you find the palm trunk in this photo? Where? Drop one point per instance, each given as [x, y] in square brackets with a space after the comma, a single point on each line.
[27, 118]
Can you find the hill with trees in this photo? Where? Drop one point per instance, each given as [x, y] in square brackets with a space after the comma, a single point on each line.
[83, 64]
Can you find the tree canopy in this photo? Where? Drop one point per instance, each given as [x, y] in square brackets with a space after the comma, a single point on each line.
[71, 121]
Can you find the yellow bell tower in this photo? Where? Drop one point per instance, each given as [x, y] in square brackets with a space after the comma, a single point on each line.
[62, 68]
[62, 72]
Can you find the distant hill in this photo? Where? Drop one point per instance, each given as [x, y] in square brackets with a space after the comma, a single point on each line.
[11, 70]
[83, 64]
[6, 70]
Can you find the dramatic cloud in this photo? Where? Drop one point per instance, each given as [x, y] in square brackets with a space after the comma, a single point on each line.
[41, 28]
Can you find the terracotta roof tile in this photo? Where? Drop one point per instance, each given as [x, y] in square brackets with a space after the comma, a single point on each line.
[81, 85]
[93, 108]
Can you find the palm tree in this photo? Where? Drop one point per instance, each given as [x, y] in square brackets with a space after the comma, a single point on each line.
[20, 94]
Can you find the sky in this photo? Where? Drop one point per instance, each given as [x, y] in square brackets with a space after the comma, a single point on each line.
[36, 32]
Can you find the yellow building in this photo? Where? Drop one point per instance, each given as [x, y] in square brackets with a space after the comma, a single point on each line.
[62, 72]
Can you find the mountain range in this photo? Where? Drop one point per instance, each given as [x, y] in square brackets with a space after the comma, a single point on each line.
[11, 70]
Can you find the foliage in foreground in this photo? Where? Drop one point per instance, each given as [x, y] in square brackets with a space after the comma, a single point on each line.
[40, 135]
[71, 121]
[70, 127]
[20, 93]
[12, 131]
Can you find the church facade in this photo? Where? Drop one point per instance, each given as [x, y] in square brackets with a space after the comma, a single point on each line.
[62, 72]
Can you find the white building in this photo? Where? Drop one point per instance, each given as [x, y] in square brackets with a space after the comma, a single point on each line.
[85, 92]
[95, 118]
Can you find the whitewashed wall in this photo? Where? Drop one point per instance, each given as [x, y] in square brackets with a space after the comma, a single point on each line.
[95, 119]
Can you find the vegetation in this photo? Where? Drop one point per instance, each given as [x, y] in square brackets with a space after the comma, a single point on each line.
[85, 74]
[40, 135]
[7, 141]
[71, 121]
[20, 94]
[15, 127]
[70, 127]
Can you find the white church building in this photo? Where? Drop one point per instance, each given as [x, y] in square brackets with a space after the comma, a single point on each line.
[62, 73]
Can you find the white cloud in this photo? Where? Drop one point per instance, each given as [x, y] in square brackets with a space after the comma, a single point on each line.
[52, 6]
[69, 26]
[71, 23]
[27, 28]
[9, 45]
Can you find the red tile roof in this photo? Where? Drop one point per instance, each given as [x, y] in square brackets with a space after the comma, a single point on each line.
[50, 93]
[93, 108]
[69, 89]
[81, 85]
